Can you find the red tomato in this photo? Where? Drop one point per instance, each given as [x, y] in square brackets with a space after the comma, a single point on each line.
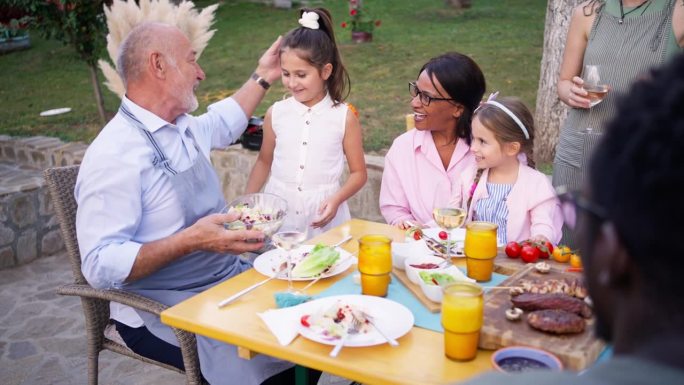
[443, 235]
[513, 249]
[545, 250]
[305, 320]
[529, 254]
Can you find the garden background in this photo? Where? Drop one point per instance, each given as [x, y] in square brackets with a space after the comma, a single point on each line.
[505, 37]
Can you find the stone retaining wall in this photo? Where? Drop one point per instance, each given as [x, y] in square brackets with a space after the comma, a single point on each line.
[28, 225]
[29, 228]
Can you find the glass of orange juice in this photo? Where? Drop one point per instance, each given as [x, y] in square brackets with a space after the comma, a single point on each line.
[480, 250]
[375, 264]
[462, 315]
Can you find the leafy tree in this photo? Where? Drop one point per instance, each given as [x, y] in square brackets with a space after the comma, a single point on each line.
[79, 23]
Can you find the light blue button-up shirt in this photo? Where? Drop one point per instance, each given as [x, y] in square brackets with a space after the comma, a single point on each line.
[125, 202]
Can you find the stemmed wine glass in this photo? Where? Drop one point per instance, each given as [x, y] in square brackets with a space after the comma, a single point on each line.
[449, 218]
[596, 90]
[289, 240]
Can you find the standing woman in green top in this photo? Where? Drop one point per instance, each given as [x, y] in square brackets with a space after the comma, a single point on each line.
[624, 38]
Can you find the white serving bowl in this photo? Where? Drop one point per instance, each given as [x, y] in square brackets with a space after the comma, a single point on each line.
[435, 293]
[412, 272]
[403, 250]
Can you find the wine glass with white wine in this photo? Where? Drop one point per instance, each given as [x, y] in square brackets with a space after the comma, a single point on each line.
[449, 218]
[596, 89]
[289, 240]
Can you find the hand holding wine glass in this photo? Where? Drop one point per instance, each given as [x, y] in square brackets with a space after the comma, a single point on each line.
[596, 89]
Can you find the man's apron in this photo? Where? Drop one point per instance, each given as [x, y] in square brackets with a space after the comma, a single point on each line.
[200, 194]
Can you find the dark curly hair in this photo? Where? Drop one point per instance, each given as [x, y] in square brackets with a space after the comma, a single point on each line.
[637, 175]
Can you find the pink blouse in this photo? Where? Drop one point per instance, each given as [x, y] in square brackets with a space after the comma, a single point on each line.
[414, 180]
[533, 208]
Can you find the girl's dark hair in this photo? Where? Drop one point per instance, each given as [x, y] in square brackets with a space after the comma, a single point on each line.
[505, 129]
[318, 47]
[463, 80]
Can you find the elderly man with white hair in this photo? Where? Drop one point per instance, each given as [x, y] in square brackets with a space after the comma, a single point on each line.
[149, 200]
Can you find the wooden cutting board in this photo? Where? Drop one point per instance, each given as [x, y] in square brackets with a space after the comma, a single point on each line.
[434, 307]
[576, 351]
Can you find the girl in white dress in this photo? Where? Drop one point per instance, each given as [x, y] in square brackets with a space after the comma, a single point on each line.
[308, 135]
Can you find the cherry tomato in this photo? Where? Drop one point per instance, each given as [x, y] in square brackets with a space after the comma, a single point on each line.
[417, 235]
[513, 249]
[561, 254]
[443, 235]
[529, 254]
[545, 250]
[305, 320]
[550, 247]
[575, 261]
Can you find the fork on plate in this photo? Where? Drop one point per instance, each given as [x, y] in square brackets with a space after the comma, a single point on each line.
[371, 321]
[353, 328]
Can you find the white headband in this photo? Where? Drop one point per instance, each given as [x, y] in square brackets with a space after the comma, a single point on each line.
[490, 100]
[309, 20]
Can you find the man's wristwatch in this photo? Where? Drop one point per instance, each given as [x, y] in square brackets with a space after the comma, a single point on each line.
[261, 81]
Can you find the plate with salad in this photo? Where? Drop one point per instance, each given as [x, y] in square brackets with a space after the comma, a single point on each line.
[327, 320]
[308, 262]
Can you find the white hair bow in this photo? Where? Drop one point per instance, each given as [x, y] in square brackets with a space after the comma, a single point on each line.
[309, 20]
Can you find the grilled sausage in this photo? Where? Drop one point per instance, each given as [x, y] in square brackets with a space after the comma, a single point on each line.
[556, 321]
[531, 302]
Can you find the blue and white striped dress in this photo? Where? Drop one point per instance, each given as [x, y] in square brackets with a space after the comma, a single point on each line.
[493, 208]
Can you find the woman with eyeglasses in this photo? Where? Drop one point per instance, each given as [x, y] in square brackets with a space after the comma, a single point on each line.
[422, 163]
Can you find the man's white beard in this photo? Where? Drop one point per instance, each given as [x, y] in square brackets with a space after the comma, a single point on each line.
[193, 104]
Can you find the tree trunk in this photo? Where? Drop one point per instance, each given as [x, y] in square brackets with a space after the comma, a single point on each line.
[459, 4]
[98, 93]
[550, 111]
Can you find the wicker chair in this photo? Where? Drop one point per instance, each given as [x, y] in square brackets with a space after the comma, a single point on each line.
[61, 182]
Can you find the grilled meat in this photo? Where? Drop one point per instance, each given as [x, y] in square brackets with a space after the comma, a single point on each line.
[556, 321]
[531, 302]
[574, 287]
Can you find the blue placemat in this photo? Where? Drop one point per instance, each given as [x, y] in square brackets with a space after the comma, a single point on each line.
[399, 293]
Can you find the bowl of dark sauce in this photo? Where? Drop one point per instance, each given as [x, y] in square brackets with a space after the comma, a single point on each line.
[519, 359]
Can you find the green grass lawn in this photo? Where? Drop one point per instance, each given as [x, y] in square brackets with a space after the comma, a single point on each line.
[504, 36]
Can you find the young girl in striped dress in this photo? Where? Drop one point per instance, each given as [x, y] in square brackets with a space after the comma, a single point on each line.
[504, 188]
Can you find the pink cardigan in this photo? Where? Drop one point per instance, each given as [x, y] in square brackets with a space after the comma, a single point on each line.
[414, 177]
[533, 208]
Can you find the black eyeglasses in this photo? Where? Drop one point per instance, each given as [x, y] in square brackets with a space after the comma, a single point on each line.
[571, 201]
[424, 98]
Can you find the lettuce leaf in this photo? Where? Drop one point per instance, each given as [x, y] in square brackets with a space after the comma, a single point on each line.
[319, 259]
[432, 278]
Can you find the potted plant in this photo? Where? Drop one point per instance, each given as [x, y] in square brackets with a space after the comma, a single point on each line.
[14, 34]
[361, 23]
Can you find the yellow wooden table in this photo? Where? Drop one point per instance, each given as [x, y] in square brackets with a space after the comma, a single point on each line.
[419, 359]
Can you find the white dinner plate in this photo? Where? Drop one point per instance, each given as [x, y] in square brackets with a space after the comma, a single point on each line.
[55, 111]
[393, 318]
[269, 262]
